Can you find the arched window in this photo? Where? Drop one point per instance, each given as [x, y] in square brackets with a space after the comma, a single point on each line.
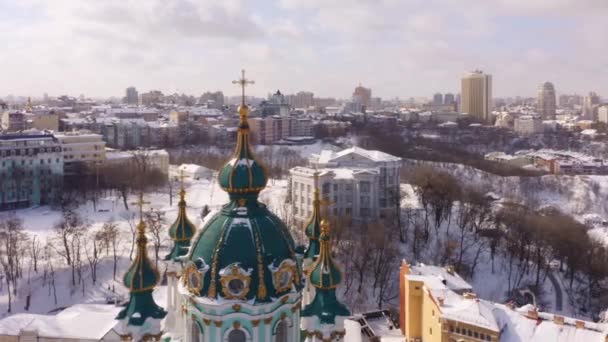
[282, 331]
[237, 336]
[196, 332]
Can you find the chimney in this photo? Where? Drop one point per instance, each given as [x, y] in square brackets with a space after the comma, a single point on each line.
[532, 314]
[580, 324]
[469, 295]
[557, 319]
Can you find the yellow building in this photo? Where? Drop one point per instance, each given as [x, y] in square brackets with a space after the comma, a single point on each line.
[437, 305]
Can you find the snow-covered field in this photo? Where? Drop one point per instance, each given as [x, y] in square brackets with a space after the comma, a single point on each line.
[39, 222]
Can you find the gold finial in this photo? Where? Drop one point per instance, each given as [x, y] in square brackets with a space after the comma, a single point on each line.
[325, 226]
[182, 191]
[28, 106]
[243, 82]
[140, 203]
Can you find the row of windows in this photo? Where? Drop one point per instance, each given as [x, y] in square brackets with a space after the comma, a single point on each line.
[470, 333]
[29, 151]
[14, 163]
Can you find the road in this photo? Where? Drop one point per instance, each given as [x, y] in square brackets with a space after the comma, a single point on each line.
[558, 292]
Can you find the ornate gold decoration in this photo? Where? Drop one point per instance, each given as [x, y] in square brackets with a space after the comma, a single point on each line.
[283, 315]
[284, 299]
[194, 279]
[206, 321]
[236, 307]
[192, 317]
[235, 273]
[236, 325]
[255, 322]
[268, 320]
[262, 284]
[242, 202]
[284, 268]
[218, 323]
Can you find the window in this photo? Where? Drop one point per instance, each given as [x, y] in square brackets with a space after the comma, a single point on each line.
[237, 336]
[475, 334]
[196, 332]
[335, 187]
[364, 186]
[282, 332]
[430, 331]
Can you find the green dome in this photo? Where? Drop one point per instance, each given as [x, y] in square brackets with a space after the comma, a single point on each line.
[141, 278]
[324, 273]
[242, 174]
[325, 276]
[142, 275]
[181, 231]
[243, 252]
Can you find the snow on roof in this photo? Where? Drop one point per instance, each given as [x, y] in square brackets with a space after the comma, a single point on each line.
[515, 327]
[192, 168]
[94, 321]
[327, 156]
[453, 281]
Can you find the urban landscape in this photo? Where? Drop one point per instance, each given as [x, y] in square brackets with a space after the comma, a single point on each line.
[306, 183]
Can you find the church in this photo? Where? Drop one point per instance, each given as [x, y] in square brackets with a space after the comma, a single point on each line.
[238, 278]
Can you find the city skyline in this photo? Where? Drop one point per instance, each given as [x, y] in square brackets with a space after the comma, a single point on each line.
[101, 48]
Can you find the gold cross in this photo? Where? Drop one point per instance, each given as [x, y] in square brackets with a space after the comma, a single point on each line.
[243, 82]
[141, 204]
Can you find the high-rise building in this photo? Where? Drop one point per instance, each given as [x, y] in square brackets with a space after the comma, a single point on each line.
[131, 96]
[438, 99]
[362, 96]
[303, 99]
[590, 105]
[546, 101]
[602, 114]
[448, 99]
[476, 95]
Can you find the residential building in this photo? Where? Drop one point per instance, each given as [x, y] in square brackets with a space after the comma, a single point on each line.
[546, 102]
[301, 127]
[151, 98]
[43, 121]
[590, 106]
[275, 105]
[360, 184]
[31, 170]
[438, 99]
[476, 95]
[362, 96]
[302, 99]
[602, 114]
[449, 99]
[270, 129]
[13, 121]
[528, 125]
[131, 96]
[80, 149]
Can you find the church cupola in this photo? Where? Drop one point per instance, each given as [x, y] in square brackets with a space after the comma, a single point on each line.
[243, 176]
[141, 278]
[182, 230]
[325, 313]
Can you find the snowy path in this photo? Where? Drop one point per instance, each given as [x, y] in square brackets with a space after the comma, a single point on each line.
[558, 292]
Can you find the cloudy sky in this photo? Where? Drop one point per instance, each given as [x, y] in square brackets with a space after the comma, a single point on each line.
[399, 48]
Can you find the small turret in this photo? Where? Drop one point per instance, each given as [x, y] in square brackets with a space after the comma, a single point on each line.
[182, 230]
[325, 275]
[141, 279]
